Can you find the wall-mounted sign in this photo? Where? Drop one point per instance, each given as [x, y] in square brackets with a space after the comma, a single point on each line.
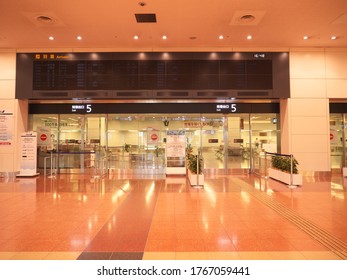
[81, 108]
[153, 136]
[259, 55]
[6, 128]
[44, 137]
[52, 56]
[145, 108]
[226, 108]
[333, 136]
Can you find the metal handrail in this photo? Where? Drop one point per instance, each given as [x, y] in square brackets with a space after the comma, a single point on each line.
[285, 155]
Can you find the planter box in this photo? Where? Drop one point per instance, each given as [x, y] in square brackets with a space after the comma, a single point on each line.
[194, 180]
[285, 177]
[344, 171]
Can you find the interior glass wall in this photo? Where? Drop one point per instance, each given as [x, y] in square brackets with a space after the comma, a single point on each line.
[338, 132]
[136, 143]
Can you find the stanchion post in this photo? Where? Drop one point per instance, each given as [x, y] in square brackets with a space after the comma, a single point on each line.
[265, 165]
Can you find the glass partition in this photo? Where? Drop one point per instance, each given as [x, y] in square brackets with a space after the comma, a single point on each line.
[49, 124]
[265, 136]
[136, 143]
[338, 140]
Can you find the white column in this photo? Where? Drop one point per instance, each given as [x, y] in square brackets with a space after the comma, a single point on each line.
[305, 116]
[9, 154]
[305, 132]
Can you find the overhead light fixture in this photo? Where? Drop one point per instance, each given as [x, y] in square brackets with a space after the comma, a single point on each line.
[164, 37]
[136, 37]
[333, 38]
[249, 37]
[51, 38]
[79, 38]
[221, 37]
[306, 37]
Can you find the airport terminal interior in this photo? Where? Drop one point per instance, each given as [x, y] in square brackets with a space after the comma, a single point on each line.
[184, 130]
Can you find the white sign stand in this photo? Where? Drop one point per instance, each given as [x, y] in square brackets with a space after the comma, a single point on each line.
[28, 158]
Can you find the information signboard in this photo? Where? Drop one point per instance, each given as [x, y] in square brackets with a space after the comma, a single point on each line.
[28, 154]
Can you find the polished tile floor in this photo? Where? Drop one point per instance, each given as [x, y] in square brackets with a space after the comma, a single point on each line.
[158, 217]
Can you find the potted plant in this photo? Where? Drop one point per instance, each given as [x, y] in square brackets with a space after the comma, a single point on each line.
[281, 170]
[194, 170]
[127, 147]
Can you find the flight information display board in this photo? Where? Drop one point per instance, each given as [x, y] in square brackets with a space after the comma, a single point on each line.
[71, 72]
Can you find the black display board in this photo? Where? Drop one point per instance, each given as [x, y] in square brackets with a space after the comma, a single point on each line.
[168, 108]
[338, 108]
[152, 74]
[151, 71]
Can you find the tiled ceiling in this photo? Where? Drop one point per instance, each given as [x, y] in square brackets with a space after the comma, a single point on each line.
[188, 24]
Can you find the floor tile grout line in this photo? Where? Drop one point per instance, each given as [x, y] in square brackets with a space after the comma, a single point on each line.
[107, 220]
[327, 240]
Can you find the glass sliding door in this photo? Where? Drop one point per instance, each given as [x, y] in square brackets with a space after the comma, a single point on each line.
[338, 140]
[95, 145]
[136, 143]
[48, 124]
[71, 145]
[212, 141]
[238, 148]
[82, 144]
[265, 137]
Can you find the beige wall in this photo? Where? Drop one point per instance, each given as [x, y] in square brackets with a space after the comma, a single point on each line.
[9, 155]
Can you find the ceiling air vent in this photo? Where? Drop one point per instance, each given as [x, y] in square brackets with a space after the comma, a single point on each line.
[145, 18]
[45, 20]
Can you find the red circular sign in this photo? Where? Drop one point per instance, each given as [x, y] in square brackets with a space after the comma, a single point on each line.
[43, 137]
[154, 137]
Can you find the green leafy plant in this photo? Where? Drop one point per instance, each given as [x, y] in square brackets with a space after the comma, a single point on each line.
[127, 147]
[283, 163]
[156, 151]
[195, 164]
[189, 151]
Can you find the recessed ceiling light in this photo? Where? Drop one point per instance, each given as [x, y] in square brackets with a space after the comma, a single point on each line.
[306, 37]
[51, 38]
[79, 38]
[333, 38]
[136, 37]
[164, 37]
[249, 37]
[221, 37]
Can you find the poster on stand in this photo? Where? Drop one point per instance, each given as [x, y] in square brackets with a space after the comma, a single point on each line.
[28, 154]
[175, 152]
